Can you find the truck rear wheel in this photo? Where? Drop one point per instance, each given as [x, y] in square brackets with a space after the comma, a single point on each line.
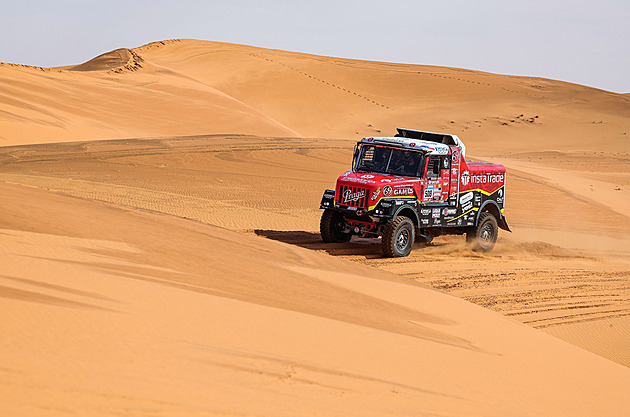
[332, 226]
[398, 237]
[484, 236]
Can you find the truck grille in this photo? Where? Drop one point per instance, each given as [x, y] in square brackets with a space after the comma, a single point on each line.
[353, 196]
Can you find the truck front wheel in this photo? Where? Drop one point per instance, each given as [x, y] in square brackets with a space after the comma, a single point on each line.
[484, 236]
[398, 237]
[332, 226]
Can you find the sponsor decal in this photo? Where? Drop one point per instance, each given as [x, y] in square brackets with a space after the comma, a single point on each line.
[438, 150]
[425, 212]
[359, 180]
[454, 171]
[464, 198]
[412, 144]
[368, 176]
[436, 213]
[455, 156]
[467, 206]
[370, 139]
[428, 193]
[389, 180]
[481, 178]
[348, 195]
[424, 221]
[465, 178]
[459, 221]
[376, 193]
[451, 211]
[388, 190]
[403, 191]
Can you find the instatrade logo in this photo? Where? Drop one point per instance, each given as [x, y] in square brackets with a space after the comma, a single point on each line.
[465, 178]
[481, 178]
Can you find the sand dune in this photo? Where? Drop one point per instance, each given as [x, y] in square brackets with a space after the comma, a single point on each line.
[192, 87]
[159, 251]
[143, 313]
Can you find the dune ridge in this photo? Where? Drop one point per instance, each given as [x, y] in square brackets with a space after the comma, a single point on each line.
[115, 61]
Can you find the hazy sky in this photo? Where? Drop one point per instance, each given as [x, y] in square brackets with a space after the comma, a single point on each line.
[586, 42]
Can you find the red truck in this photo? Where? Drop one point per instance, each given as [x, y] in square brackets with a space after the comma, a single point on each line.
[412, 187]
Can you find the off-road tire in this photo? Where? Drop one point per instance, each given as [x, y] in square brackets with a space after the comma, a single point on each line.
[483, 237]
[331, 227]
[398, 237]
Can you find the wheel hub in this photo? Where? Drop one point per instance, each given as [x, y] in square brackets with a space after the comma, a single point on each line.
[486, 233]
[402, 239]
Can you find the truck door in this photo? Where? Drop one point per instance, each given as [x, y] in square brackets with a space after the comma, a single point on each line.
[438, 177]
[445, 176]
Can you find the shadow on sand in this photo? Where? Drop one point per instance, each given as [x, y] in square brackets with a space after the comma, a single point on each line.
[362, 247]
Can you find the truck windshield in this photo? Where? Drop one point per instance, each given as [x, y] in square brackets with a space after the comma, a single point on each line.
[389, 161]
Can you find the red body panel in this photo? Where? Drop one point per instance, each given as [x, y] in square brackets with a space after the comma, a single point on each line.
[481, 176]
[364, 190]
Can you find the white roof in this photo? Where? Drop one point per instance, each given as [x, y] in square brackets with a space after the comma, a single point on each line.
[407, 143]
[407, 139]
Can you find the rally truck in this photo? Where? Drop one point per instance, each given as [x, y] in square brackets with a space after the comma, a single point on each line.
[413, 187]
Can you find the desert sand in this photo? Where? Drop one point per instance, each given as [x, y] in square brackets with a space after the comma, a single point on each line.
[159, 251]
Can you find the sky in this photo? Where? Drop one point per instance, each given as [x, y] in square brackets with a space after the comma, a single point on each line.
[579, 41]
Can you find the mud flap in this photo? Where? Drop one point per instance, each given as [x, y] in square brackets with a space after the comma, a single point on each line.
[422, 237]
[503, 224]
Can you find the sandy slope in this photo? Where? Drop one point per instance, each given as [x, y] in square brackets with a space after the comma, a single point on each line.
[195, 87]
[141, 313]
[129, 309]
[555, 271]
